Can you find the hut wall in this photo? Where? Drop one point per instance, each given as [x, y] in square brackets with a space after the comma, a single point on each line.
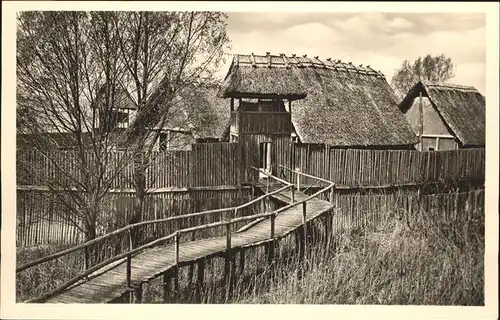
[433, 125]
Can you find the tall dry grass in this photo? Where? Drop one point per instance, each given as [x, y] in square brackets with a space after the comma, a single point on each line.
[424, 263]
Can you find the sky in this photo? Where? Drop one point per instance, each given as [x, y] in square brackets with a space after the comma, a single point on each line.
[381, 40]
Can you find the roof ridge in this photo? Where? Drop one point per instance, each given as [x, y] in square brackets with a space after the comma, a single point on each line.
[447, 85]
[283, 60]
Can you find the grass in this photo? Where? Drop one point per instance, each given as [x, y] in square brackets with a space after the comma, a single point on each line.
[425, 265]
[424, 262]
[42, 278]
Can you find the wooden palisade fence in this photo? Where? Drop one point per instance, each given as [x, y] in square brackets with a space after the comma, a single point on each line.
[209, 177]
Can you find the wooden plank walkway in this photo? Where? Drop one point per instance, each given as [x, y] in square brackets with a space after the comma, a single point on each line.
[109, 283]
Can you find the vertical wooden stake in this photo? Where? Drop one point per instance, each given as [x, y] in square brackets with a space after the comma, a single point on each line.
[200, 280]
[270, 255]
[421, 121]
[138, 294]
[332, 192]
[232, 276]
[176, 283]
[304, 217]
[129, 270]
[300, 245]
[227, 275]
[293, 193]
[190, 280]
[242, 261]
[177, 239]
[228, 236]
[166, 286]
[298, 180]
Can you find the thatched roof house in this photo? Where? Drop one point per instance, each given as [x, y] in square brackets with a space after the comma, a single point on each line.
[338, 104]
[449, 110]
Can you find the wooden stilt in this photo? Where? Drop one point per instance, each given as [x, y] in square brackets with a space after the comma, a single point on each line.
[190, 281]
[227, 275]
[166, 286]
[328, 229]
[242, 261]
[232, 279]
[138, 294]
[175, 274]
[199, 280]
[300, 244]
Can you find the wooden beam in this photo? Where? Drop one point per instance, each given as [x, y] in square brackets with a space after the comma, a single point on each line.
[437, 144]
[442, 136]
[232, 104]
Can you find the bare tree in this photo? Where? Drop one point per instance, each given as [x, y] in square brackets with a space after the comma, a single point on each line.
[73, 69]
[433, 68]
[165, 53]
[67, 74]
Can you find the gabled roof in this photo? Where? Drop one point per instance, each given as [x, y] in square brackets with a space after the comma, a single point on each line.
[461, 107]
[343, 105]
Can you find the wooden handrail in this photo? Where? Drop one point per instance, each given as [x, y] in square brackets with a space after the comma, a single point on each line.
[271, 176]
[175, 235]
[116, 232]
[99, 266]
[306, 175]
[246, 204]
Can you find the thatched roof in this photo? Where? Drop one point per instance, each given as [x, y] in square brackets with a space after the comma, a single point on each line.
[344, 105]
[197, 109]
[461, 107]
[207, 114]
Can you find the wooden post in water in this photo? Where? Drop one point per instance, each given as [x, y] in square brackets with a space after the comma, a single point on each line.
[199, 280]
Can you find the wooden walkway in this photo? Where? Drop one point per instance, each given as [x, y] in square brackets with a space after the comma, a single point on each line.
[109, 283]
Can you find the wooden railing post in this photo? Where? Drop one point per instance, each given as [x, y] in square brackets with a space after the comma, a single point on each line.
[293, 193]
[304, 217]
[235, 216]
[129, 259]
[332, 191]
[177, 239]
[228, 264]
[298, 179]
[176, 268]
[228, 236]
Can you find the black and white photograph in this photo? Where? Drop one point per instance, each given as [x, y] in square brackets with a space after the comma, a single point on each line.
[173, 156]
